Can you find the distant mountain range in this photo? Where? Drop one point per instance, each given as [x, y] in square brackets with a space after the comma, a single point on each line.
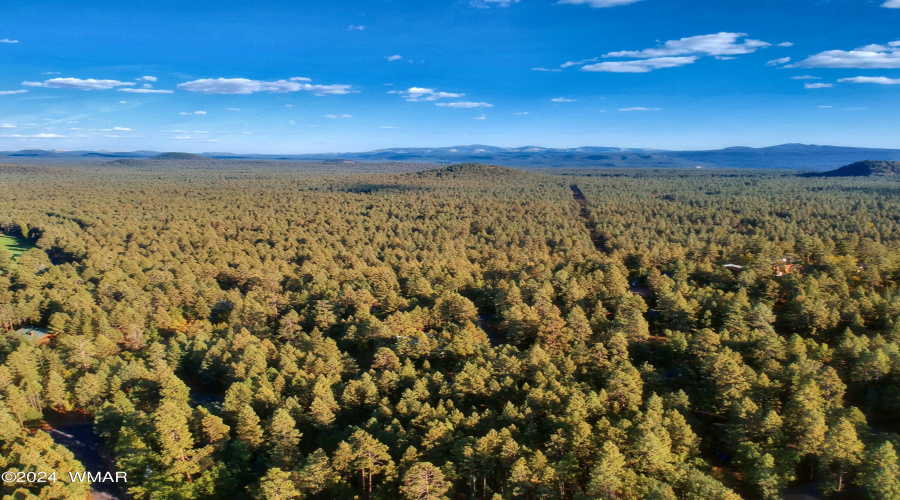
[785, 156]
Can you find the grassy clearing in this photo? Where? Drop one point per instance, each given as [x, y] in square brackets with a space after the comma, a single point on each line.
[15, 245]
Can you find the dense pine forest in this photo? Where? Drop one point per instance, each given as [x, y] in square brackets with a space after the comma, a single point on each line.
[467, 332]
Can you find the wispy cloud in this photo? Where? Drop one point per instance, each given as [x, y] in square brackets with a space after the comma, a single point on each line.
[338, 116]
[34, 136]
[12, 92]
[562, 99]
[892, 4]
[7, 125]
[464, 104]
[416, 94]
[805, 77]
[395, 57]
[881, 80]
[193, 113]
[521, 113]
[785, 44]
[779, 61]
[148, 78]
[7, 40]
[554, 70]
[640, 65]
[146, 91]
[640, 108]
[597, 4]
[353, 27]
[181, 137]
[482, 117]
[486, 4]
[718, 44]
[246, 86]
[818, 85]
[78, 84]
[674, 53]
[873, 56]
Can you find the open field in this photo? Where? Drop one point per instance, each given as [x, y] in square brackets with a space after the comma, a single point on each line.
[15, 245]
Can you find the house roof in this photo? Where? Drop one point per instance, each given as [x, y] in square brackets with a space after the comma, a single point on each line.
[35, 333]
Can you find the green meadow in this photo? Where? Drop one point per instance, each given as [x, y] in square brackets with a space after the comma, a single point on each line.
[15, 245]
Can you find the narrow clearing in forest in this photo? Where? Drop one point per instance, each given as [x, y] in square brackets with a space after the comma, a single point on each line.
[586, 215]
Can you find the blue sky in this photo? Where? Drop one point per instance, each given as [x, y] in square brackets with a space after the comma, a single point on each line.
[303, 77]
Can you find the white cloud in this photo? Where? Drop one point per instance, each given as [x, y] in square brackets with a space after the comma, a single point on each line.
[482, 117]
[522, 113]
[338, 116]
[7, 40]
[123, 129]
[246, 86]
[395, 57]
[12, 92]
[785, 44]
[576, 63]
[719, 44]
[387, 127]
[355, 28]
[35, 136]
[640, 65]
[597, 3]
[123, 102]
[805, 77]
[146, 91]
[882, 80]
[416, 94]
[50, 73]
[78, 84]
[825, 107]
[869, 57]
[289, 106]
[299, 79]
[818, 85]
[7, 125]
[779, 61]
[232, 109]
[111, 136]
[554, 70]
[464, 104]
[181, 137]
[193, 113]
[891, 4]
[211, 140]
[723, 46]
[148, 78]
[562, 99]
[639, 108]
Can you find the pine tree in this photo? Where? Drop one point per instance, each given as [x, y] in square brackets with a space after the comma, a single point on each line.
[881, 472]
[424, 481]
[284, 437]
[277, 485]
[841, 452]
[606, 476]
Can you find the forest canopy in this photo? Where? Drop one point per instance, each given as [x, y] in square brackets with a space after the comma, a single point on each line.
[251, 331]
